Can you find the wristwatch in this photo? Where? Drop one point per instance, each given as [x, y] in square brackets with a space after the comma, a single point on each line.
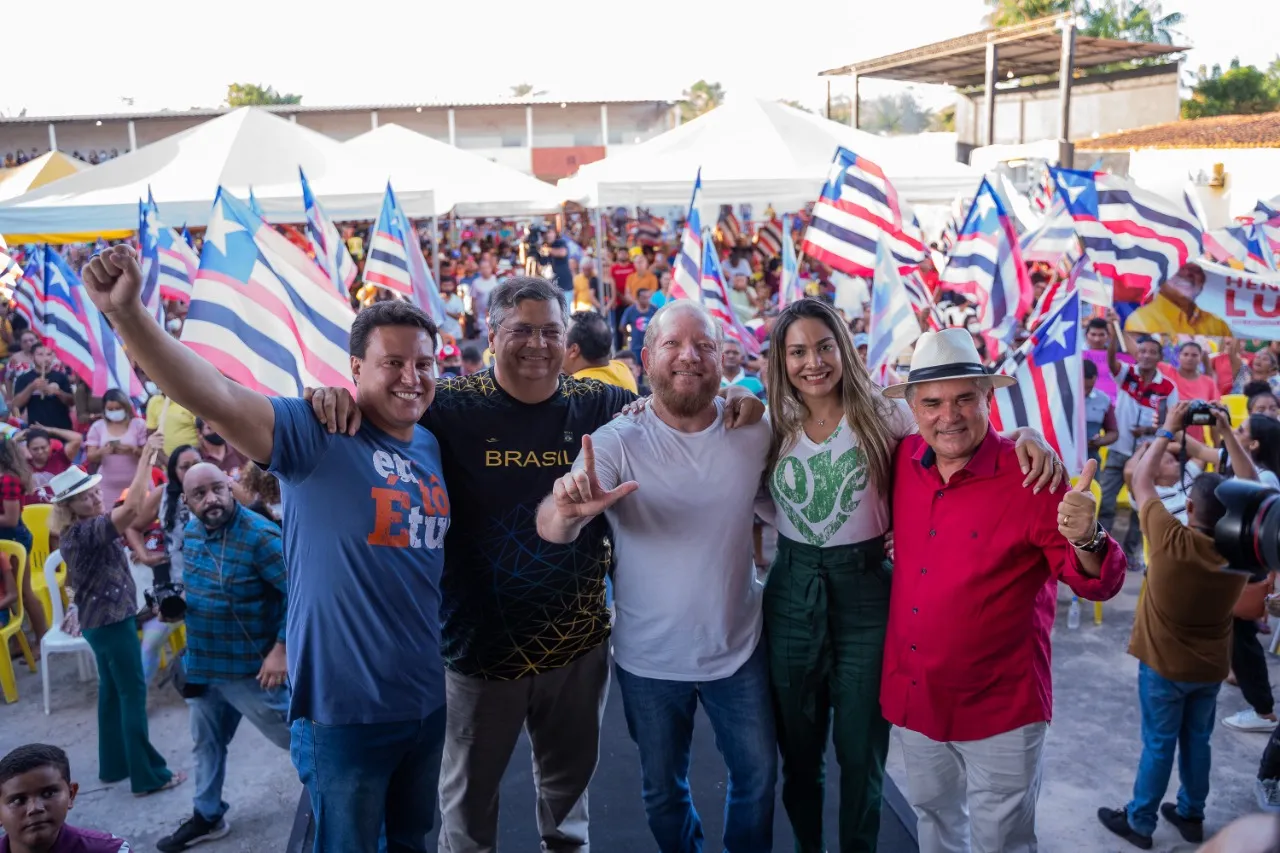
[1095, 543]
[1165, 434]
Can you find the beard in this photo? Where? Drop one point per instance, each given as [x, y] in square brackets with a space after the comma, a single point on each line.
[684, 404]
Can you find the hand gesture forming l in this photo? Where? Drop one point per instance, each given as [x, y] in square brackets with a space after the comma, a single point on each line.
[578, 494]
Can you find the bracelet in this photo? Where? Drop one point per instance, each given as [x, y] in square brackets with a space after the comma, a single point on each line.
[1165, 434]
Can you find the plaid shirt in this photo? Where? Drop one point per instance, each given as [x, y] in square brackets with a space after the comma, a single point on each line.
[236, 586]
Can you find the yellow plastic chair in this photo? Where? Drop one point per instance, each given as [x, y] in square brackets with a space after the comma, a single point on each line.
[36, 517]
[1238, 406]
[9, 679]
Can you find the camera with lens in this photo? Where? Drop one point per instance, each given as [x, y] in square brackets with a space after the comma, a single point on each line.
[1200, 413]
[1248, 534]
[533, 238]
[166, 599]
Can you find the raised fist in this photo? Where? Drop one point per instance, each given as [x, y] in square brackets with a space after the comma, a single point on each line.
[113, 279]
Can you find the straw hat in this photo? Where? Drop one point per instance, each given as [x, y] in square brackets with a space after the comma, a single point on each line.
[946, 354]
[72, 482]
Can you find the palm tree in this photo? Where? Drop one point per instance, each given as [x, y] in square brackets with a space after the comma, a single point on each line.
[700, 98]
[1131, 20]
[1006, 13]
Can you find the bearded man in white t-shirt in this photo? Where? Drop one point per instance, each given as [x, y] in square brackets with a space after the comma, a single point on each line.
[678, 491]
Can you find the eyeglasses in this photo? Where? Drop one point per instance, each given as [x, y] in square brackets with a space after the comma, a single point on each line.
[550, 334]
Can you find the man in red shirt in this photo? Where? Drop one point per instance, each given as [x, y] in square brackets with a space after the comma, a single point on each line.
[967, 658]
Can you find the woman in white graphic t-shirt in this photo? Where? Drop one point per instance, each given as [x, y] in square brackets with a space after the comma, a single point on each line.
[826, 601]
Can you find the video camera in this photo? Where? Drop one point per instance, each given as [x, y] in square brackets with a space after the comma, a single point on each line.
[166, 599]
[1248, 535]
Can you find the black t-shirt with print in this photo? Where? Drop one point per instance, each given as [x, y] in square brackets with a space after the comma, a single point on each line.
[47, 410]
[514, 604]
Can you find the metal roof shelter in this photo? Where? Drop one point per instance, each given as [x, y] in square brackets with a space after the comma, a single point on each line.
[983, 59]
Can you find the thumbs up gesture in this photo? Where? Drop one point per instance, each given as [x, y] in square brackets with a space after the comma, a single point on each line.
[1078, 508]
[578, 494]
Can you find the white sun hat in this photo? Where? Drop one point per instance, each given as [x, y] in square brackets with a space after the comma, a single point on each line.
[72, 482]
[945, 354]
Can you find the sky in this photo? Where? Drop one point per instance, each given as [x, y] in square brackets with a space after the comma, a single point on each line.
[413, 51]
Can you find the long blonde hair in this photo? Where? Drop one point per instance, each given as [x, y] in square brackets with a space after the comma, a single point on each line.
[867, 412]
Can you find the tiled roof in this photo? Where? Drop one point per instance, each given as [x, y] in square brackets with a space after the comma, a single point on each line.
[1251, 131]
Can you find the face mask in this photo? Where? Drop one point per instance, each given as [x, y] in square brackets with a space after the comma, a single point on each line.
[215, 439]
[174, 326]
[115, 415]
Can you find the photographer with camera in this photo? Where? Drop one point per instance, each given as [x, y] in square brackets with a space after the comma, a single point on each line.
[236, 589]
[1182, 640]
[105, 598]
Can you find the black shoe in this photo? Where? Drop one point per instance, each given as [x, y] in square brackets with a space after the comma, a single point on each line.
[1192, 830]
[1118, 822]
[194, 830]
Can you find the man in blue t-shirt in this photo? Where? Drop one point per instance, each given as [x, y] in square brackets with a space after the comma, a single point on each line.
[636, 319]
[365, 517]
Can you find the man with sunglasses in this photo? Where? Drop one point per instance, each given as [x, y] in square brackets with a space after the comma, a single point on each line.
[524, 622]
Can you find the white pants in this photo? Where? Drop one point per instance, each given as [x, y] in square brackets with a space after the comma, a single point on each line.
[977, 795]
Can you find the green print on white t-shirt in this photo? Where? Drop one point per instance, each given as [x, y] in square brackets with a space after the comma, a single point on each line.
[818, 493]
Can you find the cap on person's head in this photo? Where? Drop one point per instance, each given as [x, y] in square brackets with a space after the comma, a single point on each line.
[449, 351]
[861, 339]
[942, 355]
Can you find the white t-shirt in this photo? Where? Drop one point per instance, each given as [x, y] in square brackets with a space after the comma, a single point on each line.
[480, 288]
[685, 587]
[1174, 497]
[823, 492]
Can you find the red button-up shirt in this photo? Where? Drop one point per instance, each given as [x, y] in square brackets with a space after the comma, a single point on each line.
[975, 573]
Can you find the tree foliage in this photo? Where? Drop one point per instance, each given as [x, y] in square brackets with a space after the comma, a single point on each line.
[255, 95]
[1131, 20]
[1240, 90]
[792, 103]
[701, 97]
[1006, 13]
[891, 114]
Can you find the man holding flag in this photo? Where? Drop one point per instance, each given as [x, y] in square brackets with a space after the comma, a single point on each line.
[967, 657]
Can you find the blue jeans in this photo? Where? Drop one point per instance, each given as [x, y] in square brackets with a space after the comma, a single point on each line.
[215, 716]
[1175, 714]
[660, 720]
[359, 776]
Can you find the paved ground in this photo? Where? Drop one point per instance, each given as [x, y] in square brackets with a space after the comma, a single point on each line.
[1092, 752]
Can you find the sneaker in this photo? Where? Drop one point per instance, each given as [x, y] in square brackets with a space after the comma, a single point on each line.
[1249, 721]
[1268, 793]
[1118, 822]
[1191, 830]
[194, 830]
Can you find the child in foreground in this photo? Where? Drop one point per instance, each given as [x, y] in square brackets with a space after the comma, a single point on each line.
[36, 792]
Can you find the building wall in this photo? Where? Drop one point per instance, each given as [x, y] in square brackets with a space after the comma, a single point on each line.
[1030, 114]
[564, 137]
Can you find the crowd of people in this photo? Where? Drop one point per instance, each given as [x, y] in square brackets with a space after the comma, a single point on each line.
[14, 159]
[349, 575]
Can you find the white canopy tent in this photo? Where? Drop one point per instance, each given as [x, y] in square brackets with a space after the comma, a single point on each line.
[466, 183]
[761, 153]
[242, 149]
[32, 175]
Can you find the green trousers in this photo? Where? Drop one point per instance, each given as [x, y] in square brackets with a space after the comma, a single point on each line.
[124, 743]
[825, 613]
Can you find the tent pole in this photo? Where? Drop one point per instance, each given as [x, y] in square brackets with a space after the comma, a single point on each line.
[435, 249]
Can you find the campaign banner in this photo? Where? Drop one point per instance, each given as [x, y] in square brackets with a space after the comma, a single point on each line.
[1205, 298]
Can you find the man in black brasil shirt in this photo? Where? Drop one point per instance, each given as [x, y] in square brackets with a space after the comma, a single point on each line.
[524, 621]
